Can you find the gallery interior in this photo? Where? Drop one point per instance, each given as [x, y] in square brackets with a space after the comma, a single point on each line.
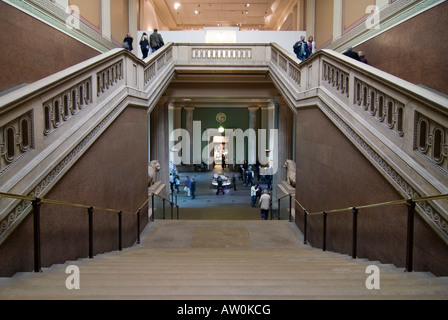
[94, 136]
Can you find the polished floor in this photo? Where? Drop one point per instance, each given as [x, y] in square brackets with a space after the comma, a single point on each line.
[207, 205]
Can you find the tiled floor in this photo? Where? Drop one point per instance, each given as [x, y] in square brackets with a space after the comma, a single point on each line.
[207, 205]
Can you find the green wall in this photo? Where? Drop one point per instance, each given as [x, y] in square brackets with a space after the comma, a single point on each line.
[237, 118]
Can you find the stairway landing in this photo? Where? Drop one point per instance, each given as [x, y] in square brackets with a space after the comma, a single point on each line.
[222, 234]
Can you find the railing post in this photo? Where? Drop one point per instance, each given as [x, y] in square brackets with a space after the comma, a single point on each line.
[36, 219]
[278, 210]
[270, 209]
[305, 214]
[119, 231]
[290, 208]
[163, 206]
[152, 205]
[171, 204]
[355, 232]
[90, 212]
[324, 245]
[138, 226]
[177, 209]
[410, 235]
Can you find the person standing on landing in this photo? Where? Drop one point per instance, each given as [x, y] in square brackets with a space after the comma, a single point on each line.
[193, 188]
[265, 201]
[187, 188]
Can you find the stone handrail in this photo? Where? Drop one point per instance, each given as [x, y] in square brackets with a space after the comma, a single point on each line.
[400, 127]
[47, 125]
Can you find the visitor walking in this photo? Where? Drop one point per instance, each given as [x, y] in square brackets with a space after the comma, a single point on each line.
[177, 182]
[155, 41]
[265, 201]
[253, 195]
[187, 187]
[193, 188]
[219, 189]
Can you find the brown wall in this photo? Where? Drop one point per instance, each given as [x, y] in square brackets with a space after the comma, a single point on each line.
[415, 50]
[324, 23]
[32, 50]
[119, 10]
[111, 174]
[333, 174]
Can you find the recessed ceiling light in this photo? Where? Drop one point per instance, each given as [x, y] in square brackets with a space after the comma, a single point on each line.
[176, 5]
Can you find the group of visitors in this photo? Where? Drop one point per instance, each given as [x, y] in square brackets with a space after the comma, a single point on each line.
[360, 55]
[189, 188]
[154, 43]
[304, 49]
[262, 198]
[249, 175]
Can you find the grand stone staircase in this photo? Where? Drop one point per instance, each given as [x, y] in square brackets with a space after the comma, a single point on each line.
[223, 260]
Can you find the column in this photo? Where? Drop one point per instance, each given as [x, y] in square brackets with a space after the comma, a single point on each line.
[310, 18]
[189, 127]
[271, 126]
[159, 142]
[252, 145]
[171, 128]
[133, 18]
[174, 124]
[286, 138]
[105, 19]
[299, 16]
[337, 19]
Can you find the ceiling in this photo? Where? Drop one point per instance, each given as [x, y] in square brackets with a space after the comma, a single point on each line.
[246, 15]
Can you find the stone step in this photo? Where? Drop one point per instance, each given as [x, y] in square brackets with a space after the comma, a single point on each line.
[247, 273]
[211, 291]
[238, 276]
[153, 280]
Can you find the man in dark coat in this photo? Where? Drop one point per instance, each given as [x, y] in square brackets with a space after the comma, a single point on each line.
[193, 187]
[155, 40]
[352, 54]
[128, 40]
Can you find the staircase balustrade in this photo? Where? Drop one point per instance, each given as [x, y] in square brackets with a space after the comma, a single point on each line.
[400, 127]
[36, 203]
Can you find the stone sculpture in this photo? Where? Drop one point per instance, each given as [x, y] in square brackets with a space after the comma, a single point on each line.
[290, 172]
[153, 168]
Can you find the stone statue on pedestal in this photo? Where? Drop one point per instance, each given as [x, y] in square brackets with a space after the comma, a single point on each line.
[153, 168]
[290, 172]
